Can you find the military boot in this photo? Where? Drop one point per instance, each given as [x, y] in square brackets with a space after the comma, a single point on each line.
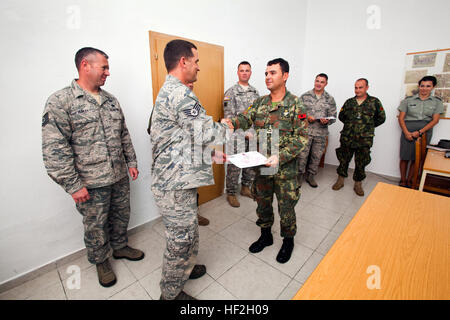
[311, 181]
[202, 221]
[300, 179]
[339, 183]
[106, 276]
[286, 250]
[358, 188]
[264, 240]
[198, 271]
[233, 201]
[128, 253]
[245, 191]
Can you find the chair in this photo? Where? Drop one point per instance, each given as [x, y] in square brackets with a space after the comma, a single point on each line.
[421, 152]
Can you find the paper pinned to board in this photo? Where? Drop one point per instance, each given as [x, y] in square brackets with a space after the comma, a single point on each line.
[247, 159]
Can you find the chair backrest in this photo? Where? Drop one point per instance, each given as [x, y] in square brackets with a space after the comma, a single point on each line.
[421, 152]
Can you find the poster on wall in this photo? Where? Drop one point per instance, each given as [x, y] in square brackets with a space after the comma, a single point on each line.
[433, 63]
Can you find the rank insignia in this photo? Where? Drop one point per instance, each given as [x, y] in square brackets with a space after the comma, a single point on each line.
[193, 112]
[45, 119]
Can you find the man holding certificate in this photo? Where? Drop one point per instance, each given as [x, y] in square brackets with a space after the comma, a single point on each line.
[279, 120]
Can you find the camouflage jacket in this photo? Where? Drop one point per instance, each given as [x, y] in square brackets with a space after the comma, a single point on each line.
[322, 107]
[85, 144]
[360, 121]
[289, 117]
[180, 132]
[237, 100]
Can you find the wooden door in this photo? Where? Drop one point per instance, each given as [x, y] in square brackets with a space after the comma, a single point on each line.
[208, 88]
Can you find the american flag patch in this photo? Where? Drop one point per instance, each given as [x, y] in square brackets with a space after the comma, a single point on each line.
[193, 112]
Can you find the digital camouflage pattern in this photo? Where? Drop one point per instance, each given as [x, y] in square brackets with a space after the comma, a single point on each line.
[180, 133]
[105, 218]
[178, 209]
[321, 107]
[235, 101]
[85, 144]
[357, 135]
[289, 119]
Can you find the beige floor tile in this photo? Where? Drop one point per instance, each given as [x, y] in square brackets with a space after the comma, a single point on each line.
[153, 248]
[340, 226]
[309, 234]
[242, 233]
[221, 217]
[90, 289]
[195, 286]
[54, 292]
[254, 279]
[151, 284]
[218, 255]
[290, 291]
[328, 242]
[322, 217]
[66, 270]
[337, 201]
[133, 292]
[32, 287]
[215, 292]
[299, 256]
[308, 267]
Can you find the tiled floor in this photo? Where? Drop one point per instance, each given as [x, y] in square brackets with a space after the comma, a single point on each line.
[232, 272]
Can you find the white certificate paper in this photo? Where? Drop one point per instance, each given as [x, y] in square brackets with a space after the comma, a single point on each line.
[247, 159]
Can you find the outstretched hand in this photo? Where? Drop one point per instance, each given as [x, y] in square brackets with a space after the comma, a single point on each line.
[218, 157]
[272, 161]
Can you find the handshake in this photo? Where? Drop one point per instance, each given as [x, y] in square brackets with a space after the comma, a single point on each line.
[228, 123]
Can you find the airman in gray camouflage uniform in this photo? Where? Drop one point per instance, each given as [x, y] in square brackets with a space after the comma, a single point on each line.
[180, 133]
[87, 150]
[320, 105]
[236, 100]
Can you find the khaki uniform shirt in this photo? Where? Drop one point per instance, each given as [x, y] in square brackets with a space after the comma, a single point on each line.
[417, 109]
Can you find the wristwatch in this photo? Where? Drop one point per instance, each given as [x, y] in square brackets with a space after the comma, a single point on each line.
[420, 133]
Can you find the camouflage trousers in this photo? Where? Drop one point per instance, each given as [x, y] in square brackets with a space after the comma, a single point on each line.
[233, 172]
[178, 209]
[312, 151]
[287, 192]
[105, 219]
[362, 159]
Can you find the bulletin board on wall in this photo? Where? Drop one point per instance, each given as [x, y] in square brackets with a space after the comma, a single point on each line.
[429, 63]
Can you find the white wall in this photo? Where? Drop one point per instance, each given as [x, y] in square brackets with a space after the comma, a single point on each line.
[39, 222]
[339, 43]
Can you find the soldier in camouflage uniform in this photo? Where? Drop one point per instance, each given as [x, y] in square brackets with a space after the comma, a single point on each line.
[283, 113]
[180, 133]
[360, 115]
[320, 105]
[87, 150]
[236, 100]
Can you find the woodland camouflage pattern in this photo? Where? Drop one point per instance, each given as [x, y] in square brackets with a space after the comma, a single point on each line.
[289, 118]
[85, 144]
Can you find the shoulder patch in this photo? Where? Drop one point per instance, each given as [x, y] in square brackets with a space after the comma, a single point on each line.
[226, 98]
[193, 112]
[45, 119]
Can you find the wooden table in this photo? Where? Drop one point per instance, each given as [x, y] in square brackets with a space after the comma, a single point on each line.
[399, 239]
[435, 163]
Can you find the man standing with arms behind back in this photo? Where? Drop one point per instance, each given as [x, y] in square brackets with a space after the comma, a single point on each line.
[320, 106]
[87, 150]
[237, 99]
[178, 115]
[360, 115]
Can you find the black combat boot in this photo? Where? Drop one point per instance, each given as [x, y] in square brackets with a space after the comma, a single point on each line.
[286, 250]
[264, 240]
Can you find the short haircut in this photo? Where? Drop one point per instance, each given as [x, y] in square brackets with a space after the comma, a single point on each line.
[176, 49]
[429, 78]
[84, 52]
[364, 79]
[244, 63]
[323, 75]
[283, 64]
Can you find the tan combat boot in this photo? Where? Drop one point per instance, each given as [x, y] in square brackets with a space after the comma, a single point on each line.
[233, 201]
[202, 221]
[129, 254]
[339, 183]
[245, 191]
[358, 188]
[106, 276]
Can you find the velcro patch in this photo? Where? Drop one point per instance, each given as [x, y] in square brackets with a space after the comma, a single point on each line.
[302, 116]
[193, 112]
